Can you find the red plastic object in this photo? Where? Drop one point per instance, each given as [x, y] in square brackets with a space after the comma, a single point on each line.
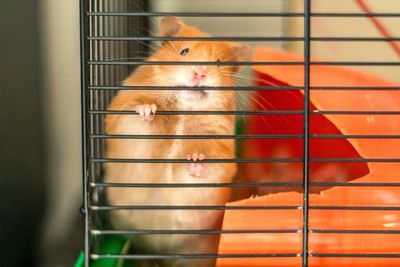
[379, 25]
[381, 172]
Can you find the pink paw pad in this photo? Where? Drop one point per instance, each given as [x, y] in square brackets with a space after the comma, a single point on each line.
[146, 112]
[195, 168]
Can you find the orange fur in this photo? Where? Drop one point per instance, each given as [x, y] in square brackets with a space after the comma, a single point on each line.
[166, 75]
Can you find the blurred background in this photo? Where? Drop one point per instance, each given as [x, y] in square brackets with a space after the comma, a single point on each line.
[40, 159]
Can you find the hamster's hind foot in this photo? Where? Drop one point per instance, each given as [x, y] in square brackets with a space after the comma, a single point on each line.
[195, 168]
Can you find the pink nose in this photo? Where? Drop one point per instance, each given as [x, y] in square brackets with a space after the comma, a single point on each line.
[199, 74]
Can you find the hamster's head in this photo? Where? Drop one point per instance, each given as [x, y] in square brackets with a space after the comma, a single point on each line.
[197, 76]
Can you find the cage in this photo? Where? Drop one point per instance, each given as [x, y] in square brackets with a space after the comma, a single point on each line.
[316, 138]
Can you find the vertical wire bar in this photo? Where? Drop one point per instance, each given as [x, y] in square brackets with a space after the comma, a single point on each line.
[100, 53]
[106, 54]
[96, 127]
[112, 30]
[94, 30]
[83, 21]
[94, 76]
[119, 30]
[307, 50]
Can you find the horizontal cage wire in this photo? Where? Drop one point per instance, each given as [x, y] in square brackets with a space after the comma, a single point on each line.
[277, 143]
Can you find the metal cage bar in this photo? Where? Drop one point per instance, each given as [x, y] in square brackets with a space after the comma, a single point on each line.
[84, 45]
[306, 129]
[239, 14]
[101, 39]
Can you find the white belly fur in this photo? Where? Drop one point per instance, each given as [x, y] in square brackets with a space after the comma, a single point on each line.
[164, 219]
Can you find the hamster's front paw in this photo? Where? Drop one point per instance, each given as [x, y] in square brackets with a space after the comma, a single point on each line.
[195, 168]
[146, 112]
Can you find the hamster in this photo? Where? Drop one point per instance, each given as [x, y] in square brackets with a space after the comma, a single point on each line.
[147, 103]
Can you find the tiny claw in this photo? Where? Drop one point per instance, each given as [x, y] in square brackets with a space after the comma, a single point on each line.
[146, 112]
[154, 108]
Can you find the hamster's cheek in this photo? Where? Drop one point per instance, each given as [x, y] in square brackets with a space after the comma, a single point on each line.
[182, 77]
[213, 80]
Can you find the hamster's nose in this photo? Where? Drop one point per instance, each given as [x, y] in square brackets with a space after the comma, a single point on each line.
[199, 73]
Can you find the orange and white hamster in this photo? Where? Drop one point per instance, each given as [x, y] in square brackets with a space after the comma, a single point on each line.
[147, 103]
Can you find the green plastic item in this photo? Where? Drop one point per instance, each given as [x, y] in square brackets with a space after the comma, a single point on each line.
[80, 261]
[240, 124]
[109, 245]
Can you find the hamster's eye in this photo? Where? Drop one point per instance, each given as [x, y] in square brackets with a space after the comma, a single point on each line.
[218, 61]
[184, 51]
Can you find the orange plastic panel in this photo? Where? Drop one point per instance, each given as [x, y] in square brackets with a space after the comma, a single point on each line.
[337, 196]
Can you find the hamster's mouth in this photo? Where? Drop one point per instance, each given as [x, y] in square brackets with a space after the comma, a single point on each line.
[195, 90]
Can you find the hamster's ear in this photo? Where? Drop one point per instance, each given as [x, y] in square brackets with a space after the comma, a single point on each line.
[169, 26]
[240, 52]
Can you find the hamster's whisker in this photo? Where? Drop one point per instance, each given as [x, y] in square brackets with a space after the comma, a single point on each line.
[298, 99]
[174, 46]
[154, 47]
[254, 98]
[296, 96]
[214, 71]
[151, 19]
[230, 74]
[262, 116]
[244, 76]
[273, 108]
[239, 100]
[249, 78]
[227, 71]
[118, 82]
[251, 97]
